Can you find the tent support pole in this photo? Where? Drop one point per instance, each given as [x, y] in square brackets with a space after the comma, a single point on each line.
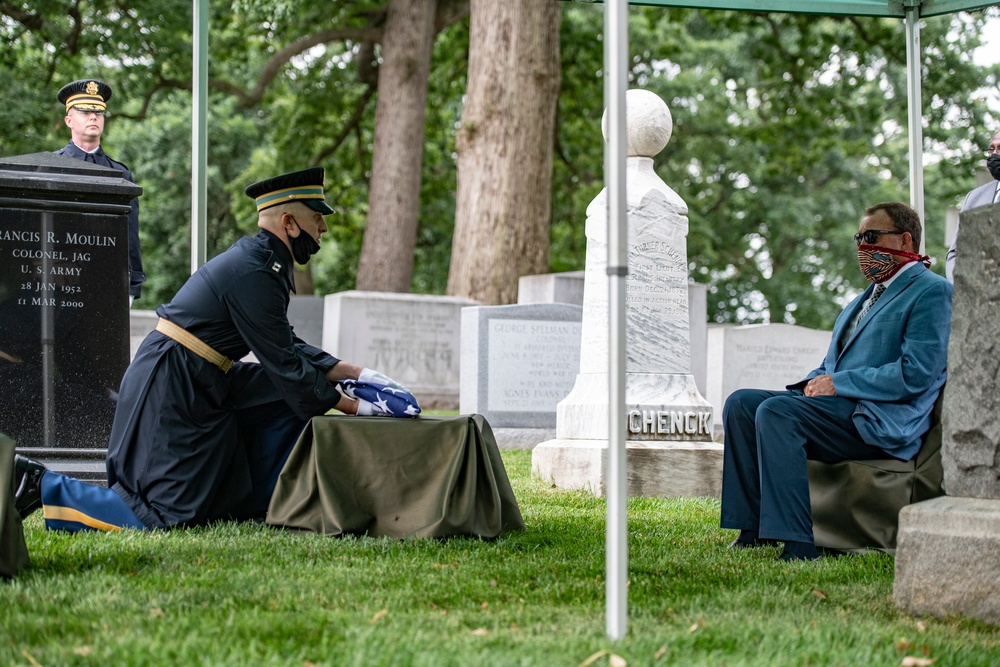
[615, 84]
[199, 135]
[915, 117]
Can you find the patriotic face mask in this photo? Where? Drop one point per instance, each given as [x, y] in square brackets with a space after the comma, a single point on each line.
[878, 264]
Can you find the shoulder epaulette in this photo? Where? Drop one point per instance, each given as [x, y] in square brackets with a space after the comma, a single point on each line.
[114, 161]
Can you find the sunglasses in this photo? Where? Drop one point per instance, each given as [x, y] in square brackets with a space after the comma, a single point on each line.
[870, 237]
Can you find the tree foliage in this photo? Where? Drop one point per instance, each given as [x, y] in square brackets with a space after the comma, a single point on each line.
[786, 127]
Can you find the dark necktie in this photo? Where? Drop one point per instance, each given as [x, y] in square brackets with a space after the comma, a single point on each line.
[875, 295]
[853, 325]
[89, 157]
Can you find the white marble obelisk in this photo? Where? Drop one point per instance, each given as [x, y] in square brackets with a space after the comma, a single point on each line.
[669, 423]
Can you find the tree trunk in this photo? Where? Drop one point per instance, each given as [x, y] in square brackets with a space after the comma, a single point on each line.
[386, 262]
[503, 210]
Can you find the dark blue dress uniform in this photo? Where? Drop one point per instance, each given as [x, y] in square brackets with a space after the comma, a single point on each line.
[136, 276]
[186, 439]
[197, 437]
[93, 95]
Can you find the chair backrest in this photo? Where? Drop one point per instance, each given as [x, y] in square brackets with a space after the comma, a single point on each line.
[932, 439]
[928, 480]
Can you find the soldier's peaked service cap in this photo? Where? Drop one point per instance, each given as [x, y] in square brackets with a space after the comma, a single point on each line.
[304, 186]
[85, 94]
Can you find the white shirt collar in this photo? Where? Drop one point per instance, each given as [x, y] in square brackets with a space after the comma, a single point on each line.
[86, 151]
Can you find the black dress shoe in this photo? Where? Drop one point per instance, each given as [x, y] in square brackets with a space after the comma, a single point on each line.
[28, 485]
[799, 551]
[748, 540]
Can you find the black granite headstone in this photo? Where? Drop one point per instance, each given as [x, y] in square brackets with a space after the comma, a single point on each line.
[64, 327]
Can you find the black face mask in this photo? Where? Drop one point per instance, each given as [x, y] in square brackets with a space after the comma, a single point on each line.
[304, 246]
[993, 164]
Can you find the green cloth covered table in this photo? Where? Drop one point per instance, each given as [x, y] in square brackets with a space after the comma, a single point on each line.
[423, 477]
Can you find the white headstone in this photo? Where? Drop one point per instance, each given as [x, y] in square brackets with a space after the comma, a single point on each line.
[762, 356]
[412, 338]
[305, 314]
[698, 305]
[518, 362]
[141, 324]
[564, 287]
[668, 422]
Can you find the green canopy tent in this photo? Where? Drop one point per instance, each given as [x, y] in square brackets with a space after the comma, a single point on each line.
[615, 65]
[616, 59]
[897, 9]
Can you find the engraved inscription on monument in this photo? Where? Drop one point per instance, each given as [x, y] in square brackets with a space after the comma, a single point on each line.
[656, 289]
[51, 267]
[669, 423]
[659, 283]
[765, 361]
[413, 343]
[63, 341]
[532, 364]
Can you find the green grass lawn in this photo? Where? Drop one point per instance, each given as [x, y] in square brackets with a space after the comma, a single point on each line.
[250, 595]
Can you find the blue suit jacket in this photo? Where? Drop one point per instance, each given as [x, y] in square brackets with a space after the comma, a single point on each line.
[893, 364]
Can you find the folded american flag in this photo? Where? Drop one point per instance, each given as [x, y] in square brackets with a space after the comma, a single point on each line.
[387, 397]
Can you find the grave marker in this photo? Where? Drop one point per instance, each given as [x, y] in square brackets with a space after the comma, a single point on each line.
[412, 338]
[64, 325]
[518, 362]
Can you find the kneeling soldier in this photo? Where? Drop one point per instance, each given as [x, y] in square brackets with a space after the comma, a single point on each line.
[198, 437]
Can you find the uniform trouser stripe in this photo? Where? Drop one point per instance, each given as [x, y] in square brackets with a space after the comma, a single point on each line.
[52, 513]
[72, 505]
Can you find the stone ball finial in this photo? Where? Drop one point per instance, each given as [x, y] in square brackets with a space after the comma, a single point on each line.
[648, 123]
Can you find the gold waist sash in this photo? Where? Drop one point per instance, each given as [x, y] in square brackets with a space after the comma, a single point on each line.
[195, 344]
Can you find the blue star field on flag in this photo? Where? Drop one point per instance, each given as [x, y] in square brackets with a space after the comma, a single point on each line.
[387, 397]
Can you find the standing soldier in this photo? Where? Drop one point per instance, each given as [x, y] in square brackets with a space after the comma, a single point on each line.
[86, 109]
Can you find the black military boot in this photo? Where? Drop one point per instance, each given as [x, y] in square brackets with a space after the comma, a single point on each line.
[27, 485]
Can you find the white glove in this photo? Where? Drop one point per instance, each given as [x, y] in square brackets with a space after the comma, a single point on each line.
[380, 395]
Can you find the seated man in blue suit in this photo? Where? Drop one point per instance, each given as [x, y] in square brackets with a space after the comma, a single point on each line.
[870, 398]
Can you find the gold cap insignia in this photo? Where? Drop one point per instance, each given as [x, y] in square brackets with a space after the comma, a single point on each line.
[92, 88]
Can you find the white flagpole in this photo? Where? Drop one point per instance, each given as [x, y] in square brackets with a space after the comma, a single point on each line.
[616, 82]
